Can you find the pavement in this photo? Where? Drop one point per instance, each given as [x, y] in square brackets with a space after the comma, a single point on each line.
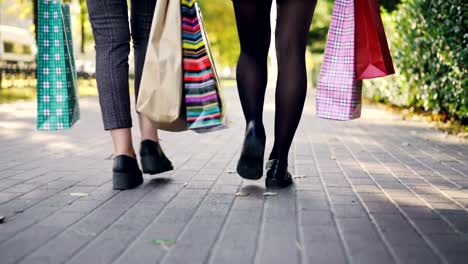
[374, 190]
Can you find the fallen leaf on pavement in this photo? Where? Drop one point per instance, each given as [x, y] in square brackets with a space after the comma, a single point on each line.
[242, 194]
[299, 176]
[78, 194]
[165, 243]
[84, 233]
[270, 194]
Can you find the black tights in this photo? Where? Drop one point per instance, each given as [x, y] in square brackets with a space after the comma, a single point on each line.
[253, 25]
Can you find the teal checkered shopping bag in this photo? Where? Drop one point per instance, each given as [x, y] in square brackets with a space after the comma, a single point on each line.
[57, 98]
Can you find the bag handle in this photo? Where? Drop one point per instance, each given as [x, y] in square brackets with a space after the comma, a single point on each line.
[66, 44]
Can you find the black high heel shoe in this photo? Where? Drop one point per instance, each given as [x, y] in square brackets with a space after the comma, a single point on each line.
[250, 165]
[126, 174]
[276, 177]
[153, 159]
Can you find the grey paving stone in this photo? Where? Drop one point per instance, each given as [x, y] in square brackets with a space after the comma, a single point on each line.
[84, 230]
[30, 173]
[167, 226]
[340, 190]
[322, 244]
[22, 188]
[434, 226]
[452, 246]
[279, 227]
[344, 200]
[47, 225]
[238, 240]
[367, 189]
[416, 255]
[8, 183]
[16, 206]
[363, 242]
[16, 248]
[349, 211]
[5, 196]
[39, 194]
[108, 245]
[423, 212]
[197, 239]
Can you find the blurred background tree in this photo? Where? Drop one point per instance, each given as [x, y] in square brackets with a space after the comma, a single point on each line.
[221, 26]
[429, 45]
[427, 39]
[28, 9]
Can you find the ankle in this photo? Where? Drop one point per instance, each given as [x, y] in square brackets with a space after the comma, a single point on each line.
[131, 154]
[256, 128]
[282, 161]
[152, 138]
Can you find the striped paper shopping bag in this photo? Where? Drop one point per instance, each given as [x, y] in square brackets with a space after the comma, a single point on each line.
[201, 85]
[57, 99]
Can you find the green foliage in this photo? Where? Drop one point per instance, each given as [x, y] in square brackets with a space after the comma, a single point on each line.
[389, 5]
[320, 24]
[87, 38]
[222, 32]
[428, 39]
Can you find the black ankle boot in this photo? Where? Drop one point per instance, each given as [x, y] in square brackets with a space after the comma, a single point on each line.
[126, 173]
[250, 165]
[276, 177]
[153, 159]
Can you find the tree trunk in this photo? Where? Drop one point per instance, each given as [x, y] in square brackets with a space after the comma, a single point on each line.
[83, 13]
[35, 7]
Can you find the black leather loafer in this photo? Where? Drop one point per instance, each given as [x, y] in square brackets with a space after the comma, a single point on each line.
[277, 178]
[153, 159]
[126, 174]
[250, 165]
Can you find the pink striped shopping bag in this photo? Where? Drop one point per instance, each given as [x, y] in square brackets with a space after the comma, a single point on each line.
[338, 90]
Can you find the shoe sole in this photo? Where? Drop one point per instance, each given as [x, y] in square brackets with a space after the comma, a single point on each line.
[151, 167]
[250, 165]
[271, 183]
[125, 181]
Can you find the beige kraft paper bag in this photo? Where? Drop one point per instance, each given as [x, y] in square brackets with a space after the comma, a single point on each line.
[161, 89]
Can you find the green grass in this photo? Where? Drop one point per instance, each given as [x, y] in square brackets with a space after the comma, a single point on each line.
[8, 95]
[86, 88]
[228, 83]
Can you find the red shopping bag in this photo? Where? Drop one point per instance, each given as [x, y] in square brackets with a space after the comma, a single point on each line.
[373, 57]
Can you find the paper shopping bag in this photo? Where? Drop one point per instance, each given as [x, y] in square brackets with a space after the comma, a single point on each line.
[338, 91]
[57, 99]
[373, 57]
[201, 83]
[161, 96]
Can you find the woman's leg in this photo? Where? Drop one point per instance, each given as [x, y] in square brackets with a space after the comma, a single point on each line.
[109, 20]
[253, 26]
[293, 23]
[141, 18]
[153, 159]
